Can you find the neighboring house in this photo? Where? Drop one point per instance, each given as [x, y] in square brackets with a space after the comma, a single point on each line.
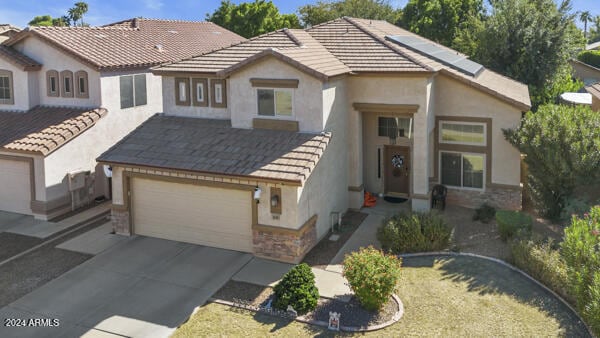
[586, 73]
[263, 143]
[68, 93]
[7, 31]
[594, 90]
[594, 45]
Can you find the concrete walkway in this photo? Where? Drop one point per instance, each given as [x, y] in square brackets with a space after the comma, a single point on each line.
[94, 241]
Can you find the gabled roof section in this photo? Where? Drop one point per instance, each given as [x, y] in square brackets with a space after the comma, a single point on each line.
[44, 129]
[212, 146]
[20, 60]
[594, 90]
[135, 43]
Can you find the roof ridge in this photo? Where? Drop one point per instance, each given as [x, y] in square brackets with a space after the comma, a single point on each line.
[293, 37]
[89, 28]
[386, 43]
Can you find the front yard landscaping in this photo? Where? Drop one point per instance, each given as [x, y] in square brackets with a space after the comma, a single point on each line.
[442, 296]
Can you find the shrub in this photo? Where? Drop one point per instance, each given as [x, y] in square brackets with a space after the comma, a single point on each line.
[414, 232]
[591, 57]
[543, 261]
[372, 276]
[513, 224]
[484, 213]
[581, 251]
[297, 288]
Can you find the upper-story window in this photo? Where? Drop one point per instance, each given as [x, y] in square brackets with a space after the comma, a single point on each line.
[6, 87]
[470, 133]
[200, 92]
[218, 93]
[182, 91]
[66, 77]
[394, 127]
[133, 90]
[81, 82]
[52, 83]
[275, 102]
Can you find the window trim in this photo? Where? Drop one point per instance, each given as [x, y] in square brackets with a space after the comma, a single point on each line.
[213, 102]
[82, 75]
[49, 75]
[134, 99]
[462, 153]
[276, 116]
[66, 75]
[11, 88]
[440, 130]
[178, 82]
[194, 87]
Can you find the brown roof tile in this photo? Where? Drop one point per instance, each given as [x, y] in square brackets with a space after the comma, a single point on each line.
[135, 42]
[172, 143]
[44, 129]
[594, 90]
[18, 59]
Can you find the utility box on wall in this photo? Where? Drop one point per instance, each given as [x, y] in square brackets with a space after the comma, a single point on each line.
[81, 186]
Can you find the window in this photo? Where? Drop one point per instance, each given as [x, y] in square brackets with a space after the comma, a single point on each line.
[462, 133]
[200, 92]
[133, 90]
[218, 93]
[394, 127]
[182, 90]
[52, 83]
[274, 102]
[81, 80]
[462, 169]
[66, 82]
[6, 87]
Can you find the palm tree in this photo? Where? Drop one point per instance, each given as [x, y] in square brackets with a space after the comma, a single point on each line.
[76, 13]
[585, 16]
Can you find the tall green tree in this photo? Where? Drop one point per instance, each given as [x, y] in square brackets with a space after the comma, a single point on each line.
[441, 20]
[41, 20]
[250, 19]
[584, 17]
[77, 11]
[72, 16]
[323, 11]
[595, 30]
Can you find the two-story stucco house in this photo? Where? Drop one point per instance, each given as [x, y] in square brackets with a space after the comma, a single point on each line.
[261, 143]
[68, 93]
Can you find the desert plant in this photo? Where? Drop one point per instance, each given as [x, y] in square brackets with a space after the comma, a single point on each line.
[372, 276]
[543, 261]
[414, 232]
[513, 224]
[581, 251]
[484, 213]
[297, 288]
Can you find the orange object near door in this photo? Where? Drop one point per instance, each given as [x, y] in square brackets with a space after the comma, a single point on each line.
[370, 200]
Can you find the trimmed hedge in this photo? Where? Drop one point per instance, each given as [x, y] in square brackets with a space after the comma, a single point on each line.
[297, 288]
[414, 232]
[591, 57]
[513, 224]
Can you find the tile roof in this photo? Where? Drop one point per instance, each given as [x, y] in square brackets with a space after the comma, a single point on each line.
[18, 59]
[214, 147]
[594, 90]
[44, 129]
[138, 43]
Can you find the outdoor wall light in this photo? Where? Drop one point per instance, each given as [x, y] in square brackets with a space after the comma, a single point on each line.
[257, 192]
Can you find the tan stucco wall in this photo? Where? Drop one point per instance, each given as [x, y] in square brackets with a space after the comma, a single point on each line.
[307, 98]
[453, 98]
[21, 83]
[595, 103]
[170, 108]
[54, 59]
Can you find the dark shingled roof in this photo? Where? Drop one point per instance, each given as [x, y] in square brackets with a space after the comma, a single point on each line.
[214, 147]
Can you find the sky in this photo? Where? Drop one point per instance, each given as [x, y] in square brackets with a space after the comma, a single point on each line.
[101, 12]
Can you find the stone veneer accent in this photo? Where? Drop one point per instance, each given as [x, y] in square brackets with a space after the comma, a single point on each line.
[285, 245]
[120, 220]
[500, 197]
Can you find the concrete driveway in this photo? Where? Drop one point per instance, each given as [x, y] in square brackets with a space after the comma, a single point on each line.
[142, 287]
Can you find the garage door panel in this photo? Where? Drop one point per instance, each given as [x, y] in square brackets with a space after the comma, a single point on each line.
[15, 186]
[191, 213]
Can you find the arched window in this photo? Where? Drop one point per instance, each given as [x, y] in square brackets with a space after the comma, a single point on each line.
[81, 85]
[66, 83]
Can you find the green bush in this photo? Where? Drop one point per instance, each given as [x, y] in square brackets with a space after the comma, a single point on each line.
[513, 224]
[484, 213]
[297, 288]
[591, 57]
[581, 251]
[542, 261]
[372, 276]
[414, 232]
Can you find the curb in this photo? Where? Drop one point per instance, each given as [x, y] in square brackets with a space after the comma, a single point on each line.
[395, 318]
[505, 264]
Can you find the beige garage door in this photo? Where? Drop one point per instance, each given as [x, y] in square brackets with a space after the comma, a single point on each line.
[15, 187]
[195, 214]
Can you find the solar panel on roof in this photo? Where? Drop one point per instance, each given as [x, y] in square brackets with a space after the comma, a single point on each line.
[454, 60]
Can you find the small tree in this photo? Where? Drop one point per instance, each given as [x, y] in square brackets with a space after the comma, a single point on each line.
[372, 276]
[297, 288]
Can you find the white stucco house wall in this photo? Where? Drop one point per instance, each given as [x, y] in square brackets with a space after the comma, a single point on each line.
[69, 93]
[262, 143]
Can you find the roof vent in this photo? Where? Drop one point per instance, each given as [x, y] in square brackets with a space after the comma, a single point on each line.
[216, 32]
[173, 32]
[101, 36]
[159, 48]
